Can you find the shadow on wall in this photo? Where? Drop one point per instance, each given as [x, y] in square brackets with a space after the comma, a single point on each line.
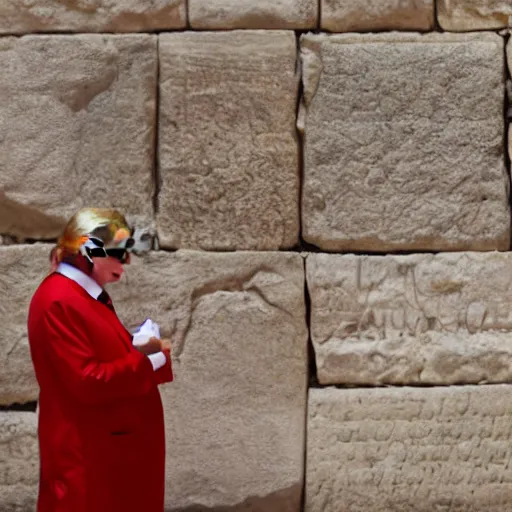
[284, 500]
[22, 222]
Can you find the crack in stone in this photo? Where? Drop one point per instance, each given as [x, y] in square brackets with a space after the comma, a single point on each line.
[231, 284]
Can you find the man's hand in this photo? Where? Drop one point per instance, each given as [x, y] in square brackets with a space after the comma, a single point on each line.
[152, 346]
[166, 345]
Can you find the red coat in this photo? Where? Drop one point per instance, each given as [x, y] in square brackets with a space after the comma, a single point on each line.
[101, 426]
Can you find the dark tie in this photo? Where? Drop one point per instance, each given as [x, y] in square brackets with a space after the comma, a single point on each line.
[104, 297]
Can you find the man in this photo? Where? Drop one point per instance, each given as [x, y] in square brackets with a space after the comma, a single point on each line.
[101, 426]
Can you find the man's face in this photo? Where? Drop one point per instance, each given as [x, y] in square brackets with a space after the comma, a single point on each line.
[107, 270]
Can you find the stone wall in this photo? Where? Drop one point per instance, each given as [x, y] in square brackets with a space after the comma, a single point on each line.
[325, 188]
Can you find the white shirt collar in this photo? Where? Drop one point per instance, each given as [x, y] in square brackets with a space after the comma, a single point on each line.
[81, 278]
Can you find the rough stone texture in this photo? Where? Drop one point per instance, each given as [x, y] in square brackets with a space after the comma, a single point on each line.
[235, 413]
[412, 450]
[422, 319]
[19, 461]
[404, 142]
[77, 118]
[467, 15]
[266, 14]
[22, 267]
[228, 146]
[27, 16]
[368, 15]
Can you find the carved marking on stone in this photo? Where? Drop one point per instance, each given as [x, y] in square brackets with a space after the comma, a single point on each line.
[409, 449]
[381, 172]
[420, 318]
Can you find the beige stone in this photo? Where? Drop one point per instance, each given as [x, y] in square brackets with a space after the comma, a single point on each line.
[77, 117]
[409, 449]
[467, 15]
[418, 319]
[235, 412]
[22, 268]
[228, 149]
[27, 16]
[404, 142]
[19, 461]
[368, 15]
[266, 14]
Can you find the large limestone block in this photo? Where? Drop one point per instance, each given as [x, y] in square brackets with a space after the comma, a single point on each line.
[19, 461]
[409, 449]
[77, 117]
[404, 142]
[368, 15]
[228, 149]
[236, 410]
[419, 319]
[23, 16]
[266, 14]
[22, 268]
[467, 15]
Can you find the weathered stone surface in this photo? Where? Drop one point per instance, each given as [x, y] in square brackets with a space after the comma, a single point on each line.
[421, 319]
[77, 118]
[24, 16]
[409, 449]
[368, 15]
[404, 142]
[266, 14]
[235, 412]
[22, 268]
[228, 149]
[467, 15]
[19, 461]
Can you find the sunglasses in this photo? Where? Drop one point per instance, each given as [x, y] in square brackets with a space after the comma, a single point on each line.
[119, 253]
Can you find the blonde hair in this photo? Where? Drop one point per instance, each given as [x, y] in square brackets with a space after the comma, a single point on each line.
[104, 223]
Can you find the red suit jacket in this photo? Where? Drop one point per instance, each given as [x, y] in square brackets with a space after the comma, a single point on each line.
[101, 426]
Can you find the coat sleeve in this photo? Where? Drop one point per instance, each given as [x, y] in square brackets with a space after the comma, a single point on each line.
[165, 374]
[90, 381]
